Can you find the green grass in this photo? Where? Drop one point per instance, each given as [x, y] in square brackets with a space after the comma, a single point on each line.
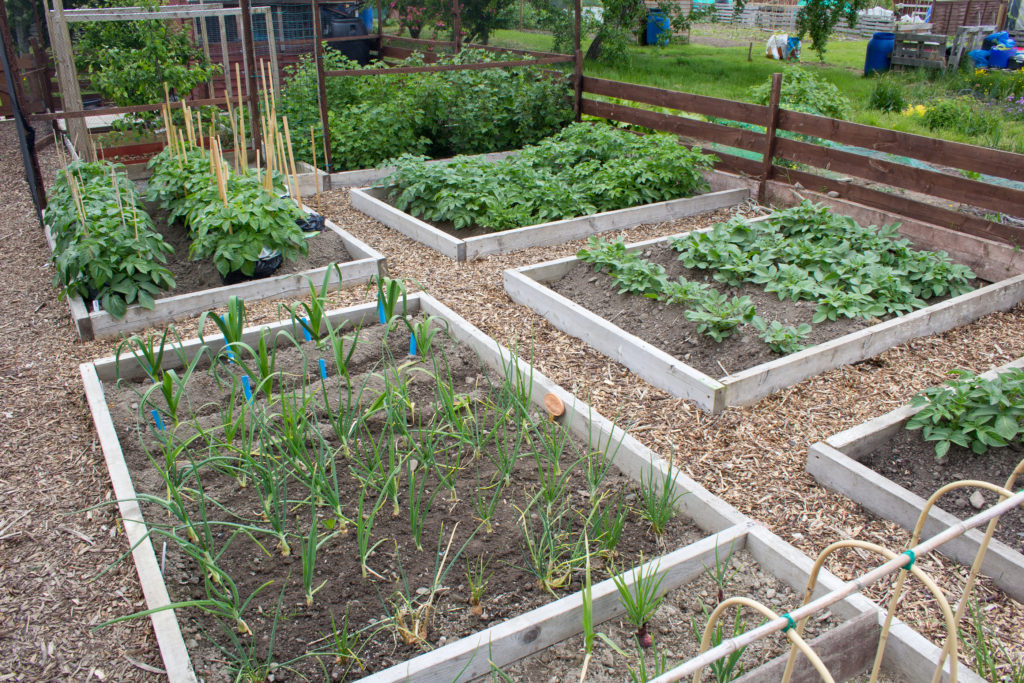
[724, 72]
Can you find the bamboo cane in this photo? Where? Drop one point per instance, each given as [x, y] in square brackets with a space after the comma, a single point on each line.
[117, 194]
[234, 129]
[291, 160]
[316, 170]
[241, 122]
[897, 562]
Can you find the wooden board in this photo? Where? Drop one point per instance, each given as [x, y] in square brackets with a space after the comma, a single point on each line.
[698, 104]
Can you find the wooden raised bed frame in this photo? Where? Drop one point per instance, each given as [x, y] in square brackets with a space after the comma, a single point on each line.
[726, 190]
[907, 653]
[992, 261]
[834, 463]
[365, 264]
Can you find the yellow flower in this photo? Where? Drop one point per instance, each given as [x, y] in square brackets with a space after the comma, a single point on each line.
[915, 110]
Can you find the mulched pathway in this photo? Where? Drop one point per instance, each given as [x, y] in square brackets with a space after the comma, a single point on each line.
[55, 543]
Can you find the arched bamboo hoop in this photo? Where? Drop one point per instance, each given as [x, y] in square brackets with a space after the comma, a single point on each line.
[793, 634]
[947, 612]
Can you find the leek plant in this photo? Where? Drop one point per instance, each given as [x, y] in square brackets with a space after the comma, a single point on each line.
[315, 321]
[172, 388]
[231, 326]
[364, 529]
[658, 499]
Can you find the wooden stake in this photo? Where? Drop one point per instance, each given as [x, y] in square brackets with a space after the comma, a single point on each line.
[316, 171]
[291, 160]
[241, 123]
[234, 129]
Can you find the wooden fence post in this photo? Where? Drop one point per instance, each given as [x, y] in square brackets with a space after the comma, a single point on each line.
[577, 103]
[71, 95]
[321, 87]
[380, 29]
[769, 135]
[456, 27]
[250, 75]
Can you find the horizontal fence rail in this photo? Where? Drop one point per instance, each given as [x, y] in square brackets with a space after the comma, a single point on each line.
[945, 186]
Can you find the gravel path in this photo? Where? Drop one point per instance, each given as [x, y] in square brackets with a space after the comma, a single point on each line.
[58, 533]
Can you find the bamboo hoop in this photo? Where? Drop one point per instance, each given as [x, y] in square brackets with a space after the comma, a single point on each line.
[731, 645]
[791, 633]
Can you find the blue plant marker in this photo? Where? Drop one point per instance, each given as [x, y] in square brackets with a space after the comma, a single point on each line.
[412, 344]
[246, 388]
[380, 312]
[305, 329]
[158, 420]
[323, 369]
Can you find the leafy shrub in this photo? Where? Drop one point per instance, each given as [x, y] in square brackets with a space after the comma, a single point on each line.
[115, 256]
[438, 114]
[887, 95]
[130, 61]
[972, 412]
[582, 170]
[802, 91]
[963, 115]
[781, 338]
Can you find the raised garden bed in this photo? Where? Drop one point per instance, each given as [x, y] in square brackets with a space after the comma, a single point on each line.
[724, 381]
[502, 643]
[361, 264]
[724, 193]
[847, 463]
[591, 178]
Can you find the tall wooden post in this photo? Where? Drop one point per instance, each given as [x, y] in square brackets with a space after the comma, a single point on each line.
[380, 29]
[770, 127]
[71, 95]
[250, 75]
[577, 82]
[321, 88]
[456, 27]
[205, 37]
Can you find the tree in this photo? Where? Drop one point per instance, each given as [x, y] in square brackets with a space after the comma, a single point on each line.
[619, 23]
[820, 17]
[130, 61]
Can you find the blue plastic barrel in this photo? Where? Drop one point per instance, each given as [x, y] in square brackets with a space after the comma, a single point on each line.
[999, 57]
[367, 16]
[879, 53]
[657, 23]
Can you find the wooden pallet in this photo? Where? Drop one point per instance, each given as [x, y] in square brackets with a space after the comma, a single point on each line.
[967, 38]
[919, 49]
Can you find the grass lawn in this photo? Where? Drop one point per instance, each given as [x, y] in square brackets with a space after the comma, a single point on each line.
[725, 72]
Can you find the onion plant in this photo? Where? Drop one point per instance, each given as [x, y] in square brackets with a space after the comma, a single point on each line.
[658, 499]
[310, 546]
[149, 352]
[231, 325]
[641, 600]
[477, 578]
[364, 529]
[314, 321]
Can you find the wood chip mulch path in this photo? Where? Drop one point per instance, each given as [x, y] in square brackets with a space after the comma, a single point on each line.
[60, 537]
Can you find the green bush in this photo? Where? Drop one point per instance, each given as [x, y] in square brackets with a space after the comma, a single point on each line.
[438, 114]
[802, 91]
[963, 115]
[887, 95]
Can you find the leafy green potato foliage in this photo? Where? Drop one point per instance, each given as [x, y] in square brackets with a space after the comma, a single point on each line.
[438, 114]
[231, 233]
[971, 411]
[579, 171]
[115, 256]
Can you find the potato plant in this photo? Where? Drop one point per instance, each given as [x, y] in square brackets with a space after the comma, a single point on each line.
[106, 247]
[582, 170]
[972, 412]
[232, 227]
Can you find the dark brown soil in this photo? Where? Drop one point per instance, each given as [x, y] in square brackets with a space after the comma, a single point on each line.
[666, 326]
[325, 248]
[368, 601]
[910, 461]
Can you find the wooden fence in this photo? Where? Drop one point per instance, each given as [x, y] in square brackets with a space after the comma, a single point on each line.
[852, 172]
[35, 70]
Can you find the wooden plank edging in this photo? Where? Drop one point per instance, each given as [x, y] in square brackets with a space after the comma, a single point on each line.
[525, 286]
[366, 263]
[700, 505]
[834, 463]
[370, 201]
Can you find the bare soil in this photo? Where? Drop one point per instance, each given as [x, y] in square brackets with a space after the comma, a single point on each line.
[190, 275]
[909, 461]
[368, 601]
[666, 326]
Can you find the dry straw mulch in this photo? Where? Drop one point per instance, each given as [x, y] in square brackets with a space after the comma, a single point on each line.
[59, 537]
